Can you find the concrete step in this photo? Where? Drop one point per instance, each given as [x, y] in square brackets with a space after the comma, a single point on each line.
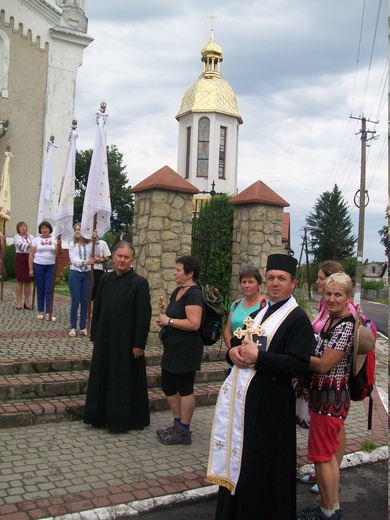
[66, 363]
[55, 384]
[48, 410]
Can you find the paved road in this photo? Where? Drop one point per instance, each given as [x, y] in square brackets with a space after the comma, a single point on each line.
[378, 312]
[363, 497]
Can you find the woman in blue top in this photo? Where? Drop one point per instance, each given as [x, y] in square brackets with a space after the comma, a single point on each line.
[250, 280]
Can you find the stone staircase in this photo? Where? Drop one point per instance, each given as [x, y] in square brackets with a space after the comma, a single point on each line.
[36, 390]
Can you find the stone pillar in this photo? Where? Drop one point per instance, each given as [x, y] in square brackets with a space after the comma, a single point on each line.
[257, 230]
[162, 232]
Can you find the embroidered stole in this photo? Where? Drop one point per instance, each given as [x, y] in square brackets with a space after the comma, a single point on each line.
[227, 432]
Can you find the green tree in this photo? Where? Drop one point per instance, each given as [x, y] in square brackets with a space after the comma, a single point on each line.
[330, 228]
[212, 232]
[122, 201]
[384, 234]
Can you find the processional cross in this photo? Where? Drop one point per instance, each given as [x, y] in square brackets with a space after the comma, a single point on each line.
[249, 331]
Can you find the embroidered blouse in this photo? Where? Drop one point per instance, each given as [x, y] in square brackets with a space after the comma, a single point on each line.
[21, 243]
[329, 392]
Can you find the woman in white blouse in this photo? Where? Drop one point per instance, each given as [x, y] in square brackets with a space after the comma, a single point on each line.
[22, 241]
[41, 262]
[80, 254]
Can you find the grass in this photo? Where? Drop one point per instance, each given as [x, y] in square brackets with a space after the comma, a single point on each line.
[368, 446]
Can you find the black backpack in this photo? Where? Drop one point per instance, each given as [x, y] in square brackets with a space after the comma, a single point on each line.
[211, 328]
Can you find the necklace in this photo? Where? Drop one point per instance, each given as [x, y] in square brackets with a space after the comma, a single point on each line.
[333, 319]
[186, 286]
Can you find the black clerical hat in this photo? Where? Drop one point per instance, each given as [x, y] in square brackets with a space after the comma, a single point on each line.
[282, 262]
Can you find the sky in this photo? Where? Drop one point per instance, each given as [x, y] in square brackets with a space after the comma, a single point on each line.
[304, 74]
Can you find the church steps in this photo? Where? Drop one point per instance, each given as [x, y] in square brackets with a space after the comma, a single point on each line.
[27, 412]
[52, 389]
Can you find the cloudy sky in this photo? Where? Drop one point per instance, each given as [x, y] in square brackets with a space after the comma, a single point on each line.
[299, 71]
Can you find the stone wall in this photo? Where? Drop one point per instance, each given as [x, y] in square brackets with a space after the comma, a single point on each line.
[162, 232]
[257, 233]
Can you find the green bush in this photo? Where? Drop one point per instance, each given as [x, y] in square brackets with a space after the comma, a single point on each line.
[63, 276]
[372, 285]
[9, 262]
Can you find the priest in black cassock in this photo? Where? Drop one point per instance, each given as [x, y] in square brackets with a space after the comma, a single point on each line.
[253, 440]
[117, 395]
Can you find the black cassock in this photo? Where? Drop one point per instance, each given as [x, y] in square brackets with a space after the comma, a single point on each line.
[117, 395]
[266, 488]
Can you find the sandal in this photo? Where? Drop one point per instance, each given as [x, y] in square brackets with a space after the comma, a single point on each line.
[40, 316]
[72, 333]
[53, 318]
[84, 332]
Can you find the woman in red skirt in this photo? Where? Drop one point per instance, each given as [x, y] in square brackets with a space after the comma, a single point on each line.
[22, 241]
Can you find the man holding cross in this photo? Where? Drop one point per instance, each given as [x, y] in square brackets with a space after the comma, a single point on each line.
[253, 444]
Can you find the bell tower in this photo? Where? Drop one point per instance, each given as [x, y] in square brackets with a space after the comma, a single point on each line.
[209, 121]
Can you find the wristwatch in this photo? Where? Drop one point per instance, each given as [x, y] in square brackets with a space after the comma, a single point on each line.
[170, 322]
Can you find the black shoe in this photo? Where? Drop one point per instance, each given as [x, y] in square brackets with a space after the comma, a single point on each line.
[27, 308]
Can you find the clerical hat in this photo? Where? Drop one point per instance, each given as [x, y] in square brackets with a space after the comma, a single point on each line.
[282, 262]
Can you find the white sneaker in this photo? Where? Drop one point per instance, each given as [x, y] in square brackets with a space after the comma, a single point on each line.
[72, 333]
[84, 332]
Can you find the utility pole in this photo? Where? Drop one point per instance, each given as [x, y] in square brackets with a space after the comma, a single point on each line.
[360, 202]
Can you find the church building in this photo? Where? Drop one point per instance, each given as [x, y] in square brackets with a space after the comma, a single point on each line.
[41, 49]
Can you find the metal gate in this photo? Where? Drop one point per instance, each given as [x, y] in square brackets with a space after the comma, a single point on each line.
[212, 238]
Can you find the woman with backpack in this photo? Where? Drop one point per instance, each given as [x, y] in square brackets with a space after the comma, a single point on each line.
[183, 349]
[329, 399]
[325, 269]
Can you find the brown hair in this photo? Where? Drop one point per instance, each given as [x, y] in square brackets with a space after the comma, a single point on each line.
[76, 240]
[47, 224]
[250, 272]
[330, 266]
[19, 225]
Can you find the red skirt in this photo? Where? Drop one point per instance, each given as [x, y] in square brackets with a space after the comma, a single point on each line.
[21, 268]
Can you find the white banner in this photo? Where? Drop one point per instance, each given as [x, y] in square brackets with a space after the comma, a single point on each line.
[97, 199]
[64, 224]
[47, 209]
[5, 188]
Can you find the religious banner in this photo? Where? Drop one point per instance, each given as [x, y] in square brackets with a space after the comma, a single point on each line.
[97, 201]
[5, 187]
[47, 208]
[64, 223]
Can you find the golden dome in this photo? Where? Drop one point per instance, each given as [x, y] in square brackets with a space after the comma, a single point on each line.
[212, 47]
[209, 94]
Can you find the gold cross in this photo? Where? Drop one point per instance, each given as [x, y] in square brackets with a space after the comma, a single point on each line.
[162, 305]
[249, 331]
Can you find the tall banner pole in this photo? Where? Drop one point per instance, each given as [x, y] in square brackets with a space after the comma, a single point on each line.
[97, 202]
[91, 276]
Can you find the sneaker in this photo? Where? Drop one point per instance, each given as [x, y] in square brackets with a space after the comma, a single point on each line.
[315, 489]
[315, 513]
[53, 318]
[167, 431]
[40, 316]
[72, 333]
[84, 332]
[309, 478]
[178, 436]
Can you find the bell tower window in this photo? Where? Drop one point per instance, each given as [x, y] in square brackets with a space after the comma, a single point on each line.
[188, 152]
[203, 147]
[222, 152]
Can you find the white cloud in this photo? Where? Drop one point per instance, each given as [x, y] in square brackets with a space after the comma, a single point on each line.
[298, 69]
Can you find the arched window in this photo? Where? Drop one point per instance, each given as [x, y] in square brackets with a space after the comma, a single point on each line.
[4, 63]
[188, 152]
[203, 147]
[222, 152]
